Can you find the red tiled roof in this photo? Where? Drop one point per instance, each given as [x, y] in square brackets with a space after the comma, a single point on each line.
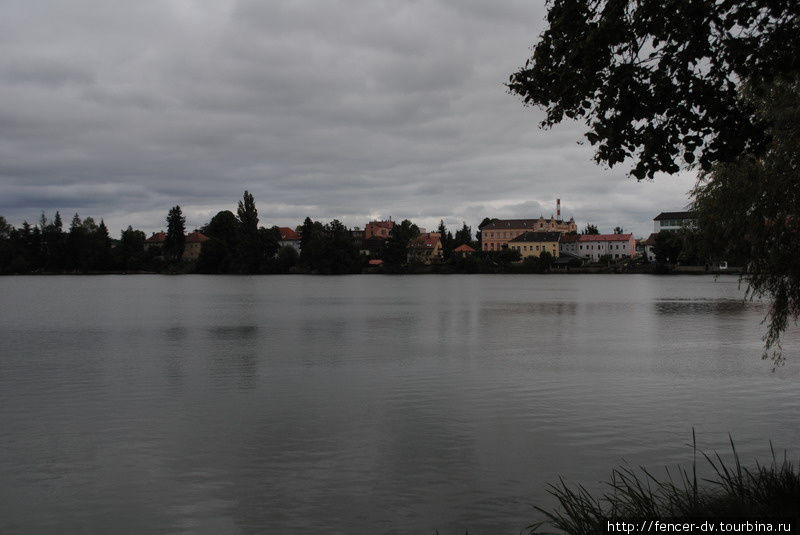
[288, 234]
[464, 249]
[196, 237]
[376, 262]
[157, 237]
[605, 237]
[426, 241]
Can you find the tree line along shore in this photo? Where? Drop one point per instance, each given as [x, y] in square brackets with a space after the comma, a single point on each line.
[234, 244]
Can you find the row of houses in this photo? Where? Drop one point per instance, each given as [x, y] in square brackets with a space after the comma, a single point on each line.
[591, 247]
[530, 237]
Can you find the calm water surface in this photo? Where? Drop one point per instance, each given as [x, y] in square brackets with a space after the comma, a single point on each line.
[364, 404]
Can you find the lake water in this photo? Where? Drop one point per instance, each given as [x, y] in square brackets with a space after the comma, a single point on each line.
[364, 404]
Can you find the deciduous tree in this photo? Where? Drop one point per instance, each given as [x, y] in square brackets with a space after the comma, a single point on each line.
[249, 252]
[396, 254]
[675, 84]
[749, 210]
[131, 249]
[659, 81]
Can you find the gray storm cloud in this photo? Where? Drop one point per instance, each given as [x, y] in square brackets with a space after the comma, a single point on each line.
[345, 110]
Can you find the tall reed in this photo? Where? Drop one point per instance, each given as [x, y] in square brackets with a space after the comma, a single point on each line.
[763, 492]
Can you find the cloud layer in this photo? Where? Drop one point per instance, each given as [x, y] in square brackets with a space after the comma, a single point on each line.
[347, 110]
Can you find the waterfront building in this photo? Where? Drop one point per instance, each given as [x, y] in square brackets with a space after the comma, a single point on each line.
[672, 221]
[535, 243]
[426, 248]
[464, 250]
[380, 229]
[358, 235]
[155, 241]
[496, 234]
[192, 245]
[289, 237]
[594, 246]
[645, 248]
[569, 244]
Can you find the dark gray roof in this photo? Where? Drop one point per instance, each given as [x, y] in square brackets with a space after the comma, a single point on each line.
[537, 237]
[674, 215]
[651, 239]
[496, 224]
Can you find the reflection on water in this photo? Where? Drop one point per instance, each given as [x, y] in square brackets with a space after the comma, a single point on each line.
[232, 332]
[705, 306]
[363, 404]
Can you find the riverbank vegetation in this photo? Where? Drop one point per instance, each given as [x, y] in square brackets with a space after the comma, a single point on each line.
[237, 245]
[734, 492]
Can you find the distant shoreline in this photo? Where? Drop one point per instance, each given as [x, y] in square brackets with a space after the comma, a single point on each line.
[680, 270]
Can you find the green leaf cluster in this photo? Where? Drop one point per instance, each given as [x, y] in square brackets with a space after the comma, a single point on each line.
[658, 81]
[749, 208]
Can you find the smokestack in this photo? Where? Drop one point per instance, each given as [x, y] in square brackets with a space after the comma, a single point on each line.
[558, 208]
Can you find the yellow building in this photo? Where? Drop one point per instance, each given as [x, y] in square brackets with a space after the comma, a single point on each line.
[498, 233]
[535, 243]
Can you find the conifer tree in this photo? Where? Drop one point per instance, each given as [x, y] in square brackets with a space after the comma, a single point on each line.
[77, 245]
[176, 228]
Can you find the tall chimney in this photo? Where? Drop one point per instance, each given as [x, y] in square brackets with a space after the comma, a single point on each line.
[558, 208]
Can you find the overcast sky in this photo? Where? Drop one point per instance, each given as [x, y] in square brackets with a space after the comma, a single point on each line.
[354, 110]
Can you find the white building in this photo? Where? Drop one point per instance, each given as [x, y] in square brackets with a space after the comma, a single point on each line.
[569, 244]
[616, 246]
[646, 248]
[289, 237]
[672, 221]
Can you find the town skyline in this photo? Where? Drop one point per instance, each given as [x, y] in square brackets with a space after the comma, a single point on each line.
[192, 227]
